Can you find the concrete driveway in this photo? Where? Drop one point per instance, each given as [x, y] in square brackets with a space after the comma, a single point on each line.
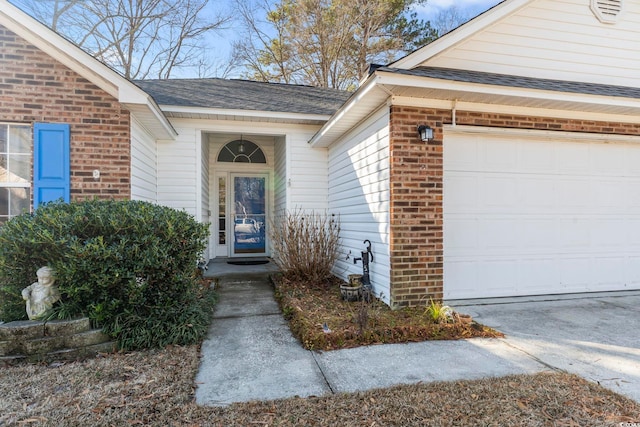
[596, 338]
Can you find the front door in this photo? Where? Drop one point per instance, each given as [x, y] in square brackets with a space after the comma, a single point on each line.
[248, 214]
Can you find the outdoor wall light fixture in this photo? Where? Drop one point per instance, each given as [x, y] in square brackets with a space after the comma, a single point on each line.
[425, 132]
[241, 146]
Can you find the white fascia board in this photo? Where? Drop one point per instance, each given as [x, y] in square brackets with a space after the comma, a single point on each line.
[344, 111]
[509, 109]
[460, 34]
[391, 79]
[244, 113]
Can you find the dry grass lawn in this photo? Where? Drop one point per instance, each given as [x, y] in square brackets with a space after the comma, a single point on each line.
[156, 388]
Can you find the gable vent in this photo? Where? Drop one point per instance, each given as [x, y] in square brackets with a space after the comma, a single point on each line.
[607, 11]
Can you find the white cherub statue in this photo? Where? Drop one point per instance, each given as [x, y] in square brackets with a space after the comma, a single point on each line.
[41, 295]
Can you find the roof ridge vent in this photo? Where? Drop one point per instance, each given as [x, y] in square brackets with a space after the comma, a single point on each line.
[607, 11]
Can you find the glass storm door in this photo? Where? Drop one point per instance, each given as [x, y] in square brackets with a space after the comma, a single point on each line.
[249, 207]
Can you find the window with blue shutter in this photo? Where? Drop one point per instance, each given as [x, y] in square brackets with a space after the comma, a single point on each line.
[51, 163]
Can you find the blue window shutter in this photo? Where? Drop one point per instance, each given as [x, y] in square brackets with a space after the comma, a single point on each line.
[51, 159]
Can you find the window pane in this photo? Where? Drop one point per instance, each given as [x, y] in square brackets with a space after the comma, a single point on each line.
[20, 200]
[258, 157]
[4, 201]
[222, 210]
[3, 138]
[19, 168]
[4, 173]
[19, 139]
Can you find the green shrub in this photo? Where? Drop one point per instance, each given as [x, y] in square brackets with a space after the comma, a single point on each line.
[127, 265]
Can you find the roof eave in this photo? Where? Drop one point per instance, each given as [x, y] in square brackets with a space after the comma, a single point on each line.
[382, 85]
[369, 95]
[391, 81]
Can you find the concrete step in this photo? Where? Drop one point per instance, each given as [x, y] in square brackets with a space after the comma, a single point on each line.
[86, 339]
[66, 327]
[21, 330]
[41, 345]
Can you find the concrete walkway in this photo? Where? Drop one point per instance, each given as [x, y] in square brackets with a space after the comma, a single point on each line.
[250, 354]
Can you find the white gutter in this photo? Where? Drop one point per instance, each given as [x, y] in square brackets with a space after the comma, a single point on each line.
[346, 108]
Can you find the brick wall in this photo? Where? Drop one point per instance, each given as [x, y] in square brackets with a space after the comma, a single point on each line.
[36, 88]
[416, 174]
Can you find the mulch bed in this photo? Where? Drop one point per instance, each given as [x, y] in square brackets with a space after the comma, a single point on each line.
[156, 388]
[310, 310]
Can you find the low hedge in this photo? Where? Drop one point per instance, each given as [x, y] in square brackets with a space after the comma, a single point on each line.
[127, 265]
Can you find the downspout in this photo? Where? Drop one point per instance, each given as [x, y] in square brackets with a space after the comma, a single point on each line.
[454, 106]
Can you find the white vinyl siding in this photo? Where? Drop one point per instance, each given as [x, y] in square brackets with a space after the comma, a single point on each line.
[144, 158]
[535, 214]
[177, 170]
[280, 176]
[205, 193]
[554, 39]
[204, 177]
[307, 181]
[359, 193]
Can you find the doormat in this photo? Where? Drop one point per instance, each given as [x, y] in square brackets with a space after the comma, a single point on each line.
[249, 262]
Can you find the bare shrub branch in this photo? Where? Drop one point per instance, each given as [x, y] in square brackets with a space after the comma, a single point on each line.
[305, 245]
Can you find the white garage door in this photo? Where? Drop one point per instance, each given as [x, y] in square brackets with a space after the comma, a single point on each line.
[532, 215]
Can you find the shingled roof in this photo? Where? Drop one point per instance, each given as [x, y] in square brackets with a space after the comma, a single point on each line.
[244, 95]
[517, 81]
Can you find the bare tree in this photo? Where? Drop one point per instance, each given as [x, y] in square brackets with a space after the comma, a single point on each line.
[139, 38]
[450, 19]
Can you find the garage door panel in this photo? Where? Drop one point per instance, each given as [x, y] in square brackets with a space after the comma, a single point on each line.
[463, 236]
[498, 235]
[607, 273]
[633, 195]
[574, 274]
[499, 155]
[537, 275]
[463, 156]
[633, 272]
[574, 195]
[464, 192]
[633, 234]
[537, 234]
[531, 216]
[499, 192]
[537, 158]
[498, 274]
[536, 194]
[610, 195]
[631, 162]
[573, 158]
[609, 234]
[574, 233]
[607, 159]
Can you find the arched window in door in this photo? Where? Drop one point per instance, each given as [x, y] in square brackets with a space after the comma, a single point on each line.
[241, 151]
